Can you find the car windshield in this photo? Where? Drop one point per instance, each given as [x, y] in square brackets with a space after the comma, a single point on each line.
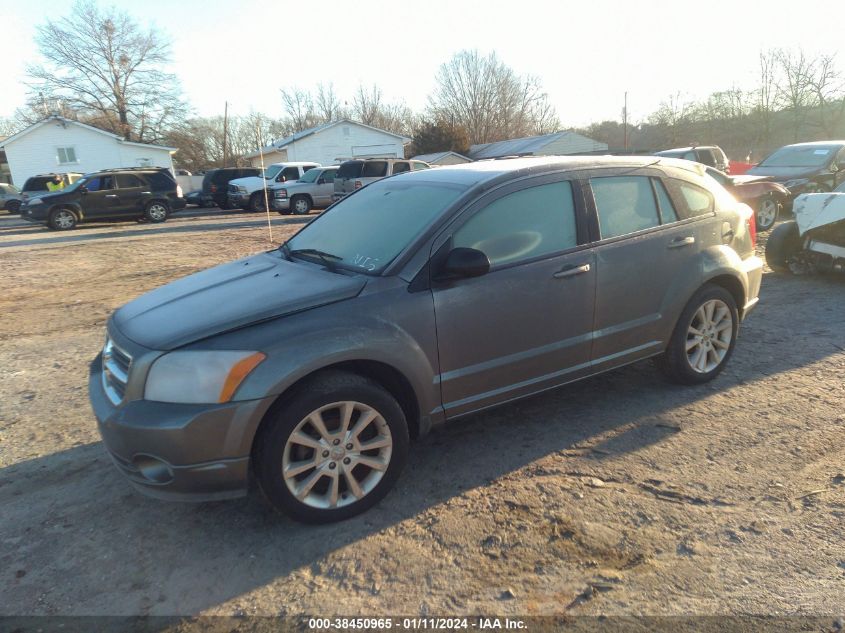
[310, 175]
[367, 230]
[807, 156]
[272, 171]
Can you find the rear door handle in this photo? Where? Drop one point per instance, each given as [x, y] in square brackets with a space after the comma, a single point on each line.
[571, 271]
[682, 241]
[111, 195]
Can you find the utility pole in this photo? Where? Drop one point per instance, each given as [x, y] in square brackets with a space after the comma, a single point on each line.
[225, 134]
[625, 119]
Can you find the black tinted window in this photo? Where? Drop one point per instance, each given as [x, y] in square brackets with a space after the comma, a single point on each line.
[127, 181]
[625, 204]
[161, 182]
[374, 169]
[524, 224]
[100, 183]
[706, 156]
[398, 168]
[35, 184]
[351, 169]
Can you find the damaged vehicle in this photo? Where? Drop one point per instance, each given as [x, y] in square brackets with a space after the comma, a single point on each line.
[804, 167]
[767, 198]
[815, 241]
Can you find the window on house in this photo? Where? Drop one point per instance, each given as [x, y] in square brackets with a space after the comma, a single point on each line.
[66, 155]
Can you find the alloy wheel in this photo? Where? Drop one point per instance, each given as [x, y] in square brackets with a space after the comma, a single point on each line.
[337, 455]
[157, 212]
[64, 219]
[301, 205]
[767, 214]
[709, 336]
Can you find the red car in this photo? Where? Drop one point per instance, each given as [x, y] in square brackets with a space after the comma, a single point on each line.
[758, 192]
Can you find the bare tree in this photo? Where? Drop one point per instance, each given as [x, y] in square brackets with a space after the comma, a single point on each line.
[299, 107]
[327, 105]
[9, 126]
[829, 88]
[795, 91]
[489, 99]
[109, 71]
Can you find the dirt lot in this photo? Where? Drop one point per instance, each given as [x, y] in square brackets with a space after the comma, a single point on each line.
[618, 495]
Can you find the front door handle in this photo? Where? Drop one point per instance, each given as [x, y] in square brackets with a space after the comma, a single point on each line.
[111, 195]
[682, 241]
[571, 271]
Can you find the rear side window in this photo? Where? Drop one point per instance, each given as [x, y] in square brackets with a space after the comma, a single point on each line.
[698, 201]
[417, 166]
[374, 169]
[100, 183]
[522, 225]
[128, 181]
[398, 168]
[625, 204]
[351, 169]
[160, 182]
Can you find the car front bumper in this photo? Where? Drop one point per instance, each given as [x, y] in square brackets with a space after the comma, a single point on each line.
[34, 214]
[185, 452]
[280, 204]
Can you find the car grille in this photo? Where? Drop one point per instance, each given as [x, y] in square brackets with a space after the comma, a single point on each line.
[116, 365]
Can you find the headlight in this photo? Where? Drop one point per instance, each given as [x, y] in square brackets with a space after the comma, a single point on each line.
[199, 377]
[242, 189]
[281, 193]
[35, 201]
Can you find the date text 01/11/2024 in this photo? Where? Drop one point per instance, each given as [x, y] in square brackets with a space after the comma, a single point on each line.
[416, 624]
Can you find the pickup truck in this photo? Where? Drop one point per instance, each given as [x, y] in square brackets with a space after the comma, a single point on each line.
[314, 189]
[248, 193]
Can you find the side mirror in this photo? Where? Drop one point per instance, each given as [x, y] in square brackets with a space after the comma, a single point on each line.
[464, 262]
[83, 189]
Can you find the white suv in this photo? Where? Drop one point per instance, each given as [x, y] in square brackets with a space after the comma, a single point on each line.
[248, 193]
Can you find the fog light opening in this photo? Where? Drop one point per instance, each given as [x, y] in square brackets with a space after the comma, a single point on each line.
[153, 469]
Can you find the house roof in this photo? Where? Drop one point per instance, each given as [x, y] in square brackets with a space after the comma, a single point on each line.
[433, 158]
[518, 146]
[16, 137]
[284, 142]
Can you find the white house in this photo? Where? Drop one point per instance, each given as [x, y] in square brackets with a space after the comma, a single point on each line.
[332, 142]
[61, 145]
[443, 158]
[558, 143]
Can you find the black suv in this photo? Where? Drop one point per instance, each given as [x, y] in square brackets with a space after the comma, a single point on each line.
[112, 194]
[215, 183]
[710, 155]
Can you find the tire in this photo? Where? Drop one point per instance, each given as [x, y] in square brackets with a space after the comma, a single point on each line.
[256, 202]
[783, 244]
[329, 395]
[156, 212]
[62, 220]
[301, 205]
[766, 213]
[704, 337]
[13, 206]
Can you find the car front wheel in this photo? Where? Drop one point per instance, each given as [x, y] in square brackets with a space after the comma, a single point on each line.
[62, 220]
[703, 339]
[301, 205]
[256, 202]
[333, 450]
[13, 206]
[783, 244]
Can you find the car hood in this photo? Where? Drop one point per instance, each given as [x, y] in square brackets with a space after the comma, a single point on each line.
[230, 296]
[744, 179]
[46, 196]
[782, 174]
[251, 182]
[813, 210]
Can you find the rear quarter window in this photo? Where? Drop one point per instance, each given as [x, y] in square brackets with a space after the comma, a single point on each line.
[352, 169]
[160, 182]
[697, 201]
[374, 169]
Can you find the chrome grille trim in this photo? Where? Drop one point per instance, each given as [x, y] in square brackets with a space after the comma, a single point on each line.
[116, 364]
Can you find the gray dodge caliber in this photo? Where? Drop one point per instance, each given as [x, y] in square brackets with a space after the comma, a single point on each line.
[414, 301]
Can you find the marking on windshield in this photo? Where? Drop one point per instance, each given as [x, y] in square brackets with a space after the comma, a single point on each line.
[367, 263]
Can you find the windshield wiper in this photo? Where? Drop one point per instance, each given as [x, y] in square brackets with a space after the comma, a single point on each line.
[286, 251]
[325, 257]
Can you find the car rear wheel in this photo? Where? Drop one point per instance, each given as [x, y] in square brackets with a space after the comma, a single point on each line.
[767, 213]
[333, 450]
[783, 244]
[256, 202]
[62, 220]
[301, 205]
[156, 212]
[703, 339]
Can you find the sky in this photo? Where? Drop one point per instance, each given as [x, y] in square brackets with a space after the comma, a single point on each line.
[587, 54]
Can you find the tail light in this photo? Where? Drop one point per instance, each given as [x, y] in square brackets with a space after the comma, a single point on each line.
[751, 223]
[213, 188]
[179, 191]
[358, 184]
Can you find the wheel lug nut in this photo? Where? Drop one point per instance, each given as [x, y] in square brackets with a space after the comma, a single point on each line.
[346, 460]
[325, 453]
[335, 442]
[332, 465]
[349, 446]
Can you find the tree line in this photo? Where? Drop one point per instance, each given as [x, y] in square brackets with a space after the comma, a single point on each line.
[101, 67]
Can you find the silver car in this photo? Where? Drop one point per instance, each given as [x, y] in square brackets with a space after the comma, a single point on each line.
[413, 302]
[354, 174]
[313, 190]
[10, 198]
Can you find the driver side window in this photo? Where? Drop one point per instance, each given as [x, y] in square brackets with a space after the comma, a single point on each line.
[522, 225]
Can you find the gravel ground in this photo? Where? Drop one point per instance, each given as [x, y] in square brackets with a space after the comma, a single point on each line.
[620, 494]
